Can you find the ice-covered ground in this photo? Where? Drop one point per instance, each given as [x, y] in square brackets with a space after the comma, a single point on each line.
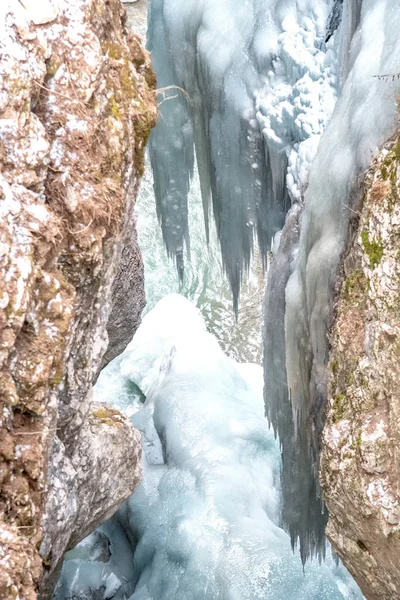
[205, 522]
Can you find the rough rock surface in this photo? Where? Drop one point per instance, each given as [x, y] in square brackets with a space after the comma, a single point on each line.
[90, 483]
[128, 298]
[76, 106]
[360, 464]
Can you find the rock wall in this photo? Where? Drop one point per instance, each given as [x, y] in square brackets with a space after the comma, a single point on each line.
[360, 464]
[76, 106]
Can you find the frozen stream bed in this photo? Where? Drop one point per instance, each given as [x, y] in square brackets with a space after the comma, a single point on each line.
[204, 524]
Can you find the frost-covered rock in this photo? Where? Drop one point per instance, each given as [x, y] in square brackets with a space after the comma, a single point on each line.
[76, 106]
[360, 459]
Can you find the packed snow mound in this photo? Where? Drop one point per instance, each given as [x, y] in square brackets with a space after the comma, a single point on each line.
[172, 319]
[205, 522]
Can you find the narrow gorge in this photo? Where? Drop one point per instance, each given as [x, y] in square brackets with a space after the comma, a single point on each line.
[199, 339]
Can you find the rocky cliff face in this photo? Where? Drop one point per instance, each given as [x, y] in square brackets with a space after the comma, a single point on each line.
[360, 465]
[76, 106]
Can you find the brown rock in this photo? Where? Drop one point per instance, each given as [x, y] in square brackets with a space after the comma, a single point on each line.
[76, 107]
[360, 464]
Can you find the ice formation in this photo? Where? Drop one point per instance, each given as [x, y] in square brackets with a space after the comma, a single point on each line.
[284, 106]
[260, 85]
[204, 283]
[205, 523]
[364, 118]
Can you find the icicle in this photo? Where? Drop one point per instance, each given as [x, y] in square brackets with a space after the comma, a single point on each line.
[170, 145]
[364, 118]
[301, 504]
[238, 63]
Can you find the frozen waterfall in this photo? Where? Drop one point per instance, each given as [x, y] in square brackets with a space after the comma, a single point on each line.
[260, 86]
[275, 109]
[283, 106]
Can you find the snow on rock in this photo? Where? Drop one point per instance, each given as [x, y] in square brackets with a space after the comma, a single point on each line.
[40, 11]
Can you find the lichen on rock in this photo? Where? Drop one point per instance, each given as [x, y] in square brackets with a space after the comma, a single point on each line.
[74, 120]
[360, 470]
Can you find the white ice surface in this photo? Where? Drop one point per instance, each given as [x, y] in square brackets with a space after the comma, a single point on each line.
[207, 514]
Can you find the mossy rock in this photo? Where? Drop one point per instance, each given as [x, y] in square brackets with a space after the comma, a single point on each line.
[108, 416]
[338, 407]
[356, 287]
[373, 248]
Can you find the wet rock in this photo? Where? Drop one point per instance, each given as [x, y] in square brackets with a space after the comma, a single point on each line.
[128, 299]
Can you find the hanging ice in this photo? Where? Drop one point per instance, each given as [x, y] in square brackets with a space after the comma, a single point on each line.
[260, 87]
[205, 522]
[262, 84]
[363, 119]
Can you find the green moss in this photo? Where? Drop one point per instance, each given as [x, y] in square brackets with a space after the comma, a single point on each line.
[142, 126]
[57, 379]
[373, 248]
[108, 416]
[128, 82]
[338, 407]
[114, 108]
[384, 172]
[356, 286]
[113, 50]
[396, 150]
[334, 366]
[128, 101]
